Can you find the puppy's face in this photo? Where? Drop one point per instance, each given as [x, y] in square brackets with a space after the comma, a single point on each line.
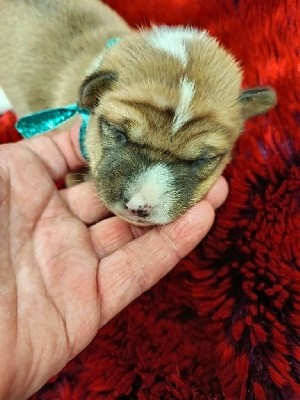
[167, 109]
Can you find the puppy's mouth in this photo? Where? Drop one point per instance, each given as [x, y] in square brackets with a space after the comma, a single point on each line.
[134, 220]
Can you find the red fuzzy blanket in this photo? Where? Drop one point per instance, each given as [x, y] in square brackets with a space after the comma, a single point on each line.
[225, 323]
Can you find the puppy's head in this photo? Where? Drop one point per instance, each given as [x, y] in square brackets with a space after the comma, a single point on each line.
[167, 108]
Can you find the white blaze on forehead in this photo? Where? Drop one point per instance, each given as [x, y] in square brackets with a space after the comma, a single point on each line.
[183, 111]
[153, 187]
[173, 40]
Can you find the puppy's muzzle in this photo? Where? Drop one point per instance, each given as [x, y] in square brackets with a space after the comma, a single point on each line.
[141, 210]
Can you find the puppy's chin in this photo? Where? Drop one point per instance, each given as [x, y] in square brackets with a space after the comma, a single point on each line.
[136, 221]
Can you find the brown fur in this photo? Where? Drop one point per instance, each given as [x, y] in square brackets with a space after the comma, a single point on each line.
[49, 46]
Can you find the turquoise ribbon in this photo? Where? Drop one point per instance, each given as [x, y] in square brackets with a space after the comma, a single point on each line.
[50, 119]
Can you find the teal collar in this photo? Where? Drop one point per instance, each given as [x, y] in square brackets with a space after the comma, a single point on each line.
[47, 120]
[52, 118]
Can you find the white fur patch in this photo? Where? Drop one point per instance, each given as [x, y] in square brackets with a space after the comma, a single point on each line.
[5, 104]
[173, 40]
[153, 187]
[183, 111]
[96, 63]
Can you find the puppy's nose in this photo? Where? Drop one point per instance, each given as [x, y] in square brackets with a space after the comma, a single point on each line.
[139, 209]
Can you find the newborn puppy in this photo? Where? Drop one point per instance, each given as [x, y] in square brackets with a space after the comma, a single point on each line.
[166, 103]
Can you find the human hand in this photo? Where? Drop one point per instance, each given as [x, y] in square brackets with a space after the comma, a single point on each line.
[64, 274]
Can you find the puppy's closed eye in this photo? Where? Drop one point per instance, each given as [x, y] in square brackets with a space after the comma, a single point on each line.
[111, 131]
[205, 165]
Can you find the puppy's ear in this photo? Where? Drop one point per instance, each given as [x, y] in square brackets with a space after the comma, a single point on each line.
[94, 86]
[257, 100]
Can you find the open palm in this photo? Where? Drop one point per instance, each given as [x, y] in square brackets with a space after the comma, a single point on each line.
[66, 265]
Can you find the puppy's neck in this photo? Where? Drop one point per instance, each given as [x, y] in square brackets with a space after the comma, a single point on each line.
[91, 51]
[96, 63]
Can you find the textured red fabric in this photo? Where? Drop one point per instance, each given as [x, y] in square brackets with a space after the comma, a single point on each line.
[7, 131]
[224, 324]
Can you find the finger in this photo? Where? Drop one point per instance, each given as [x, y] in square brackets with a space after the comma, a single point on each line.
[218, 193]
[84, 202]
[113, 233]
[139, 264]
[59, 151]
